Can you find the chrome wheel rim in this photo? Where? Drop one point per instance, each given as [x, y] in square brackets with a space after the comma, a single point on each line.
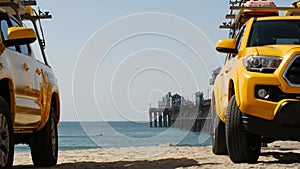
[4, 140]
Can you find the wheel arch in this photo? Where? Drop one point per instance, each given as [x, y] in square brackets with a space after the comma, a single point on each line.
[231, 90]
[215, 106]
[55, 104]
[7, 92]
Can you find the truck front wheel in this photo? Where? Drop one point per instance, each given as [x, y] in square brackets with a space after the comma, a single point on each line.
[6, 134]
[44, 144]
[242, 146]
[218, 133]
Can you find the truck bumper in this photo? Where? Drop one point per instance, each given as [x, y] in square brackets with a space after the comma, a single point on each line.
[279, 91]
[284, 126]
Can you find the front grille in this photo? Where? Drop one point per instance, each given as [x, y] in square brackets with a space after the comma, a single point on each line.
[292, 74]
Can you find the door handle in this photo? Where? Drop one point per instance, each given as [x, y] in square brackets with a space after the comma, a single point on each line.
[38, 71]
[25, 67]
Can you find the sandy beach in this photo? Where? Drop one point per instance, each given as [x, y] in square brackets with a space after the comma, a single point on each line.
[276, 155]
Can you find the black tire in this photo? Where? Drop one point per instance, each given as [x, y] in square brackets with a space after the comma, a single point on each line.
[242, 146]
[218, 133]
[44, 144]
[6, 136]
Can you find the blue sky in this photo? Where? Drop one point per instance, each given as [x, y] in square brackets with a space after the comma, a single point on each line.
[138, 70]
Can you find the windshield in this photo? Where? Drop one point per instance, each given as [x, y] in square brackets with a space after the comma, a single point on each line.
[275, 32]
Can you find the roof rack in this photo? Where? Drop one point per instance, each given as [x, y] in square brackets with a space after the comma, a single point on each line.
[239, 14]
[17, 2]
[19, 8]
[22, 10]
[28, 2]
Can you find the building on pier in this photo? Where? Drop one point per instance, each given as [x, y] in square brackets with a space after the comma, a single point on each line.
[183, 114]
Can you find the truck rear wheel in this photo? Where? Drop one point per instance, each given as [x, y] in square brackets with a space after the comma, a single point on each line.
[218, 133]
[6, 136]
[242, 146]
[44, 144]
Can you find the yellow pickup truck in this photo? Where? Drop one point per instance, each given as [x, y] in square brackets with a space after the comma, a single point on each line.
[256, 96]
[29, 95]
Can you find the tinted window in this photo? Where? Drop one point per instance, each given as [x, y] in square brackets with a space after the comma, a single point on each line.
[275, 32]
[14, 23]
[25, 49]
[4, 29]
[239, 38]
[35, 46]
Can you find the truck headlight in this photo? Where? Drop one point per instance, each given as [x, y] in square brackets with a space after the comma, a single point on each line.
[267, 64]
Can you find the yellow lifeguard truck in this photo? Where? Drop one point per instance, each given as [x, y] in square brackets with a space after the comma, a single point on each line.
[29, 94]
[256, 96]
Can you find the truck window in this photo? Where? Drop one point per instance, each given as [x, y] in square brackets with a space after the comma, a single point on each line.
[24, 49]
[238, 38]
[275, 32]
[35, 46]
[4, 28]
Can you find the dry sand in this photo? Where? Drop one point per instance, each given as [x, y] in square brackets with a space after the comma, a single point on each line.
[276, 155]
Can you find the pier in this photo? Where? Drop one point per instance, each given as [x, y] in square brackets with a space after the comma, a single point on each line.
[174, 111]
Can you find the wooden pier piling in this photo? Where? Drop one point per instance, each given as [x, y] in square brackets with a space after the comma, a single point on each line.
[155, 119]
[150, 119]
[160, 119]
[191, 116]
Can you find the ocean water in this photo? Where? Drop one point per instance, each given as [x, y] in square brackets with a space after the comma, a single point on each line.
[88, 135]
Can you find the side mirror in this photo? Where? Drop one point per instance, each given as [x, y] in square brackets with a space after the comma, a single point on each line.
[227, 46]
[19, 36]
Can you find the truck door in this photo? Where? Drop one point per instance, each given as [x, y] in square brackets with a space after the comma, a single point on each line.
[23, 67]
[228, 72]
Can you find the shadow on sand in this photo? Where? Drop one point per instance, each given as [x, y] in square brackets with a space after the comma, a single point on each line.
[282, 157]
[164, 164]
[170, 163]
